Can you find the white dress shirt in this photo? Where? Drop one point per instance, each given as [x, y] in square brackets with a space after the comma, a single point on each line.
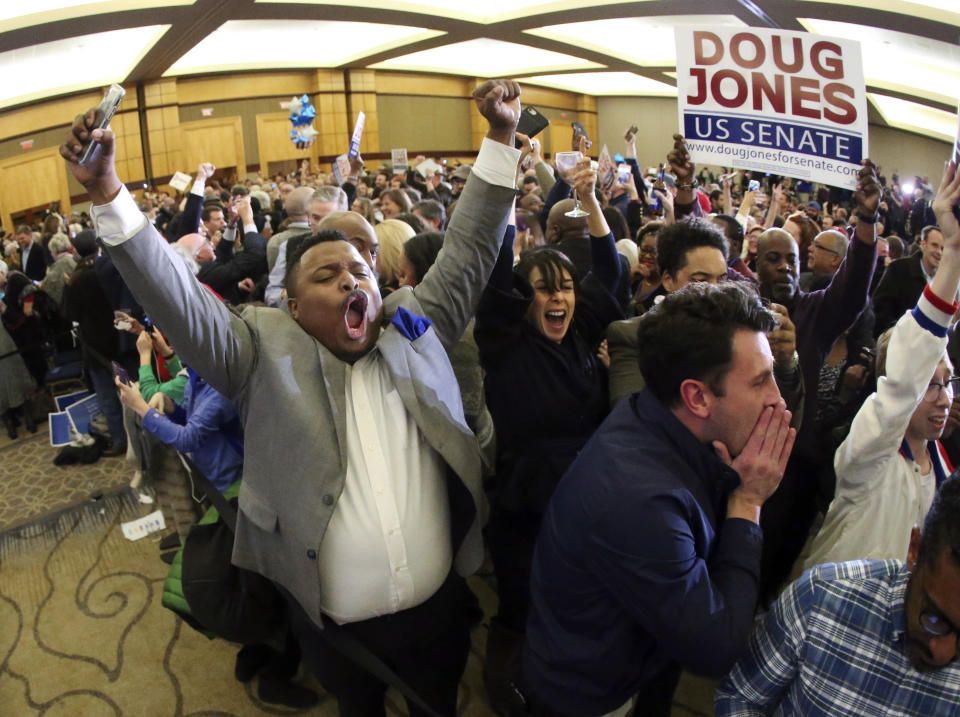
[392, 522]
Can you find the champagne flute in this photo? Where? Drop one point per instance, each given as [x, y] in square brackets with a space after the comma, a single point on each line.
[566, 165]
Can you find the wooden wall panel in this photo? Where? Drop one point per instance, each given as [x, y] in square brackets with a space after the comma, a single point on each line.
[402, 83]
[273, 140]
[217, 140]
[31, 180]
[549, 97]
[261, 84]
[55, 112]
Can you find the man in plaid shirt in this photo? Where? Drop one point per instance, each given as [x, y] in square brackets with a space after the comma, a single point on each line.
[862, 638]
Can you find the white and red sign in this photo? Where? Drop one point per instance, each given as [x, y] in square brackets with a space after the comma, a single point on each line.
[788, 103]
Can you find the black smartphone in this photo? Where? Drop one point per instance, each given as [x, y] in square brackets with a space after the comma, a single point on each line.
[121, 373]
[579, 131]
[148, 324]
[532, 122]
[105, 112]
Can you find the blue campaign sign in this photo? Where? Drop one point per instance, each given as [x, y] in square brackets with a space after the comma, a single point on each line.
[68, 399]
[59, 429]
[357, 134]
[83, 412]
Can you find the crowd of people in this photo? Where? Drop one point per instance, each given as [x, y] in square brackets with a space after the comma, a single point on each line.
[694, 425]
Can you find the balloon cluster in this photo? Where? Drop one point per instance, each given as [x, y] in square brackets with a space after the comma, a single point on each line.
[302, 113]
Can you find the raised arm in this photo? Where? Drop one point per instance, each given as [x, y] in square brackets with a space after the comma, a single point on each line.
[603, 251]
[190, 220]
[217, 345]
[918, 341]
[450, 291]
[685, 203]
[847, 293]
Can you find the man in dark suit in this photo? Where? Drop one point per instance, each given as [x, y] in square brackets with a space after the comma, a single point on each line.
[34, 258]
[904, 280]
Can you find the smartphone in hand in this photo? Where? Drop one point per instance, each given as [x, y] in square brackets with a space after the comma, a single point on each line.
[121, 373]
[105, 112]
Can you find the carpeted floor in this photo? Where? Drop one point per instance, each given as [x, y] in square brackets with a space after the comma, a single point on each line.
[32, 487]
[82, 630]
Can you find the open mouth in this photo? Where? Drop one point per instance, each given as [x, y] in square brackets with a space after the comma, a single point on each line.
[355, 314]
[555, 319]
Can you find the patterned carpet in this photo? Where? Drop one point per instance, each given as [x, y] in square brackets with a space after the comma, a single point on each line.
[82, 630]
[31, 486]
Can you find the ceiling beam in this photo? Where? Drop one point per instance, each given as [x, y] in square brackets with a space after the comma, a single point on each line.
[184, 34]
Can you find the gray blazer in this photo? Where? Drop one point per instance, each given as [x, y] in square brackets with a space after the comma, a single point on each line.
[289, 389]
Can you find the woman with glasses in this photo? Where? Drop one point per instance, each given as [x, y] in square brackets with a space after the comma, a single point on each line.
[891, 463]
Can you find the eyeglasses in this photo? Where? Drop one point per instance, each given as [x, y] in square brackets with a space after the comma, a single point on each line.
[936, 624]
[820, 246]
[935, 387]
[649, 251]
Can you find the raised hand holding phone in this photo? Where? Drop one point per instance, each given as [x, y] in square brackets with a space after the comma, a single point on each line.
[104, 113]
[98, 176]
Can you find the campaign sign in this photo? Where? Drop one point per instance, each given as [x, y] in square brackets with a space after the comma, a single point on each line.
[83, 412]
[789, 103]
[59, 429]
[68, 399]
[399, 160]
[357, 134]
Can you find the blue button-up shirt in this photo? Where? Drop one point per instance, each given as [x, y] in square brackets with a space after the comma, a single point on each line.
[636, 568]
[834, 644]
[206, 426]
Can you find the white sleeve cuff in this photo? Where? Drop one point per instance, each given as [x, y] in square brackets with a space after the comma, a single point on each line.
[119, 219]
[230, 234]
[198, 186]
[497, 163]
[251, 227]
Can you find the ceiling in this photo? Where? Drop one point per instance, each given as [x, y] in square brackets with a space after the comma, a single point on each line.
[48, 48]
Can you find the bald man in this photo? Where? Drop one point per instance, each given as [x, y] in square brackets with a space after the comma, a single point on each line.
[319, 204]
[820, 318]
[295, 204]
[826, 254]
[358, 232]
[228, 272]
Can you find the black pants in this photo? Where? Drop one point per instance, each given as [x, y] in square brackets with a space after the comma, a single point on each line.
[426, 646]
[654, 699]
[511, 537]
[786, 520]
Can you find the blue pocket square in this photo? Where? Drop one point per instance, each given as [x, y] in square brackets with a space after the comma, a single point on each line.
[410, 325]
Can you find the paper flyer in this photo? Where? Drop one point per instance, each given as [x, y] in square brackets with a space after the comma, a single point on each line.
[180, 181]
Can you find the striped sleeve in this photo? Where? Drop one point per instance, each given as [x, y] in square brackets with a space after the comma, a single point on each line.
[933, 313]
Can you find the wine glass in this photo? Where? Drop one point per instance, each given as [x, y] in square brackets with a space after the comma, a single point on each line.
[566, 165]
